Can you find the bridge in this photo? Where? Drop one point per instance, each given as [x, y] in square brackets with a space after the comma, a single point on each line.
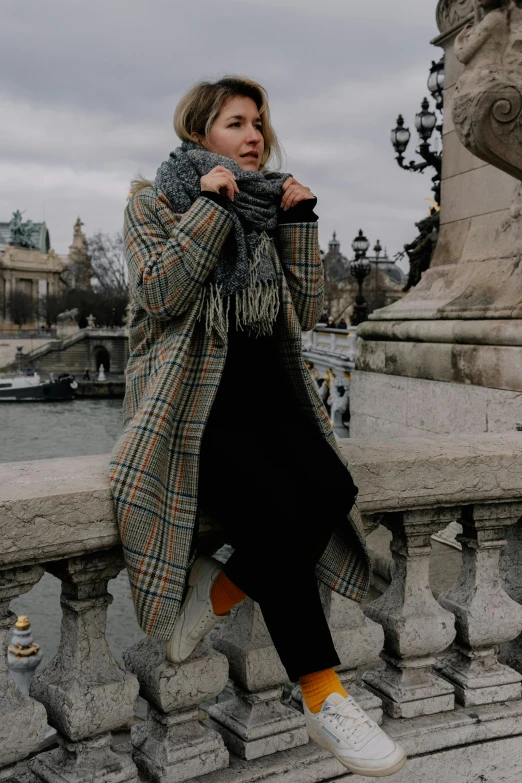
[86, 349]
[330, 356]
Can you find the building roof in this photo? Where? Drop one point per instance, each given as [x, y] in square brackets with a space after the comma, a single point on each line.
[39, 235]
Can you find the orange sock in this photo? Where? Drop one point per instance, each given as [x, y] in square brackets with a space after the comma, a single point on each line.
[317, 686]
[225, 595]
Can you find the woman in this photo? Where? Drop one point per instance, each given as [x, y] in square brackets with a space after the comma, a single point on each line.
[225, 273]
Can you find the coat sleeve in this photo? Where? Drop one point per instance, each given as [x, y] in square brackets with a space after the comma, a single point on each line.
[168, 267]
[299, 253]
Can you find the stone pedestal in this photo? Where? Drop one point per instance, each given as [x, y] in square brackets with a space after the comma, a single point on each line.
[485, 615]
[255, 723]
[86, 693]
[445, 358]
[172, 746]
[416, 628]
[22, 719]
[88, 761]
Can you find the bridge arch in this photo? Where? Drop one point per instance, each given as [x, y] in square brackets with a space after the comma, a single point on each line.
[102, 356]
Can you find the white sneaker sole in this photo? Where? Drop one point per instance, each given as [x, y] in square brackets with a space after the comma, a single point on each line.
[370, 773]
[174, 643]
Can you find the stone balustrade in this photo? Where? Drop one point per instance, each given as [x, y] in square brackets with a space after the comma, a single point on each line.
[444, 676]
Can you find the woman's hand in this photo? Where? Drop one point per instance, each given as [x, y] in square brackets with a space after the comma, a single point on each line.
[220, 180]
[294, 192]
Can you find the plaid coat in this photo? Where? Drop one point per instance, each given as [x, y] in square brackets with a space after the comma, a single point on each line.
[172, 376]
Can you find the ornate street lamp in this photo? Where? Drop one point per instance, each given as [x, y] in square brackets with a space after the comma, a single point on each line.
[425, 122]
[360, 269]
[436, 82]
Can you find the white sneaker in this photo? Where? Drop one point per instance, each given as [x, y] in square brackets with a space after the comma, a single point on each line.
[344, 729]
[196, 616]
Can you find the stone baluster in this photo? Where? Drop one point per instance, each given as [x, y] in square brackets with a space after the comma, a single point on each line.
[172, 745]
[511, 572]
[416, 627]
[22, 719]
[254, 723]
[485, 615]
[86, 693]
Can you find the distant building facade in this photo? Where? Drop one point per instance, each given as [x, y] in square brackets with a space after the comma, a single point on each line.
[29, 265]
[382, 287]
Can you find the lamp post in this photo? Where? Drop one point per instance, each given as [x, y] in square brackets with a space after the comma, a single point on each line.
[425, 123]
[360, 269]
[377, 250]
[436, 82]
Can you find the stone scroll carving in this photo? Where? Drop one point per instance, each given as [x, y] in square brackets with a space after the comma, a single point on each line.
[451, 13]
[487, 109]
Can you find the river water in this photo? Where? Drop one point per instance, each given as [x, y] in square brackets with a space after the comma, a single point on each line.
[67, 429]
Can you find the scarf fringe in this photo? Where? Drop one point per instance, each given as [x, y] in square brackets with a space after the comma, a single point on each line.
[256, 306]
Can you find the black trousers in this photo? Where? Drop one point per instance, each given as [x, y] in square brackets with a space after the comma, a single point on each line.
[279, 529]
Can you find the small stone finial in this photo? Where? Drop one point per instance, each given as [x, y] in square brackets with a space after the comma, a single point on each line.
[22, 624]
[22, 643]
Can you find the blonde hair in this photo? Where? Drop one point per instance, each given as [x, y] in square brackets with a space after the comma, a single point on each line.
[199, 108]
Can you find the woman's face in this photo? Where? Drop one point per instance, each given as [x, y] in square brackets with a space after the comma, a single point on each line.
[236, 133]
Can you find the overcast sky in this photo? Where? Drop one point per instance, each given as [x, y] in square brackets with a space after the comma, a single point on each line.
[88, 89]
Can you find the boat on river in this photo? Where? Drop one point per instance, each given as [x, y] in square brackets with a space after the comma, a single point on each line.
[31, 388]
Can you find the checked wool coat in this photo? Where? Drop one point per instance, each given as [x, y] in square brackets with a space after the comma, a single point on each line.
[173, 374]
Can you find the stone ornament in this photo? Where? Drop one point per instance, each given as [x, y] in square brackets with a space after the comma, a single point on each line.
[416, 628]
[173, 746]
[255, 723]
[485, 615]
[487, 108]
[451, 13]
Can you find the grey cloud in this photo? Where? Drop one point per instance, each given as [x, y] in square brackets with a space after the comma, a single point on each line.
[88, 91]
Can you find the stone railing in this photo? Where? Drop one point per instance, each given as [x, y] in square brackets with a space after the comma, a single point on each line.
[338, 341]
[434, 672]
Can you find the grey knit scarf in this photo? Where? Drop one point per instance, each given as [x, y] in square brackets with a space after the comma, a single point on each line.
[245, 270]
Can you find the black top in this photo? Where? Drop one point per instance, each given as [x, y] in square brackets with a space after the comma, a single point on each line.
[255, 401]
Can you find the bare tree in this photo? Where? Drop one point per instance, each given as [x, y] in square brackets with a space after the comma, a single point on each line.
[22, 307]
[108, 263]
[51, 305]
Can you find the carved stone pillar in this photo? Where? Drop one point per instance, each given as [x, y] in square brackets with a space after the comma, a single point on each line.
[254, 723]
[416, 628]
[86, 693]
[22, 720]
[511, 572]
[173, 746]
[484, 613]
